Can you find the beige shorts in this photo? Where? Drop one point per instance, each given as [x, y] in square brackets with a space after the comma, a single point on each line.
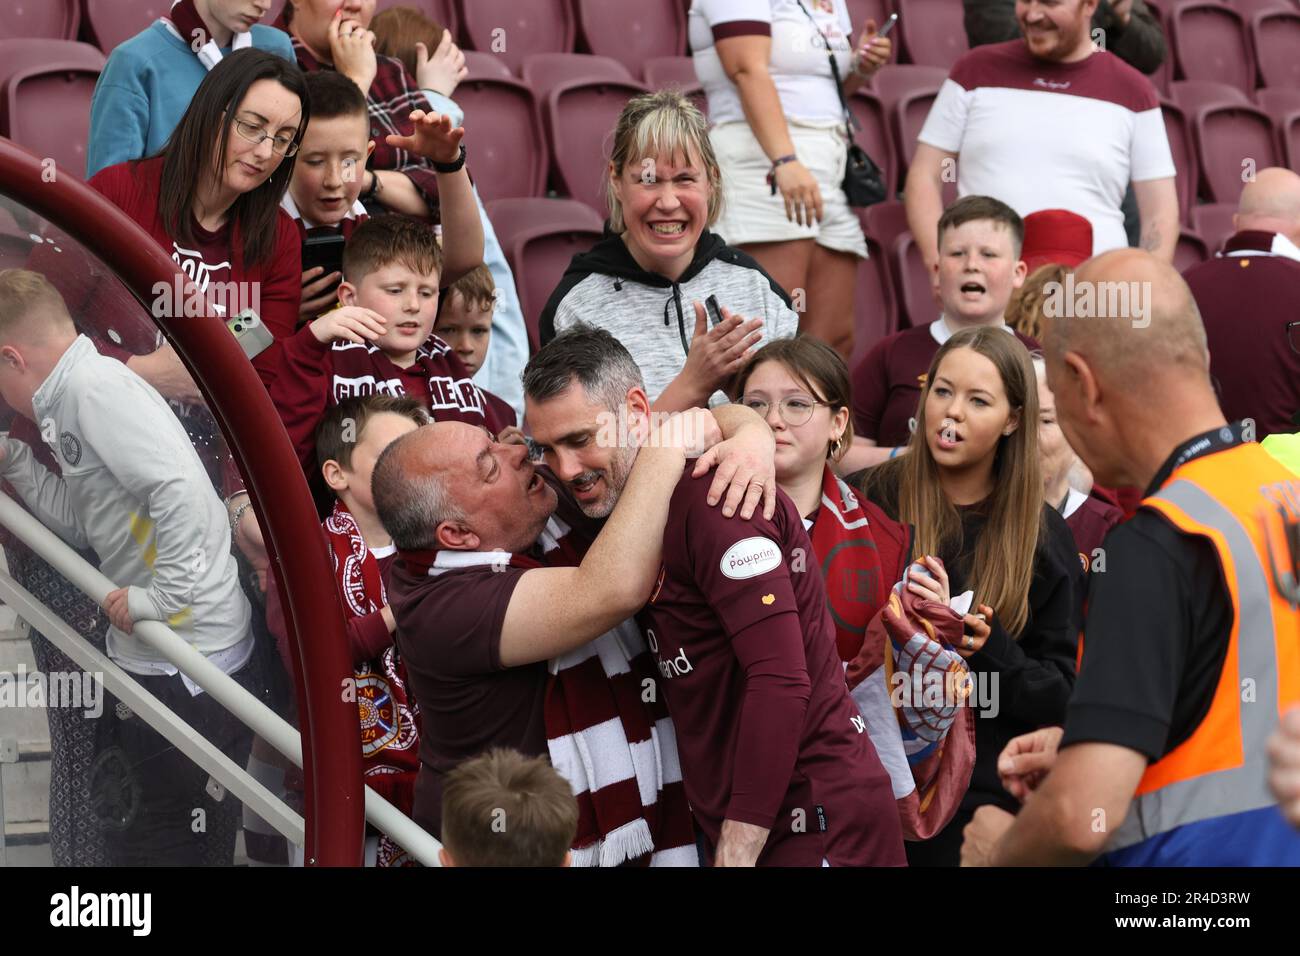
[750, 213]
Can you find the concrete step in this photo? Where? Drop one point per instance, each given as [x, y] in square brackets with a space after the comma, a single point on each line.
[27, 787]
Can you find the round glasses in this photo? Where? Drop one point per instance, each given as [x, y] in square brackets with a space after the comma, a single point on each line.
[795, 410]
[280, 145]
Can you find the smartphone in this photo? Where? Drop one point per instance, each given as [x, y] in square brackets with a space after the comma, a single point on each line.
[889, 25]
[254, 337]
[325, 250]
[715, 311]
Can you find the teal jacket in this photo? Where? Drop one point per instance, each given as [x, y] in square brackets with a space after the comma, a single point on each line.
[145, 89]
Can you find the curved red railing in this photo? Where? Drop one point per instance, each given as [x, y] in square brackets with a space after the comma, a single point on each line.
[334, 808]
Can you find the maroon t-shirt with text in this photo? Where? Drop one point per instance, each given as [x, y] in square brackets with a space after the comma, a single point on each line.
[887, 384]
[766, 731]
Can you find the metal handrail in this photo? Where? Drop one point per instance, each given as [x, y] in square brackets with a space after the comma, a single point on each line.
[333, 808]
[224, 689]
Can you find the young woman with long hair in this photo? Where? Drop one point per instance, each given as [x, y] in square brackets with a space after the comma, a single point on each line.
[970, 486]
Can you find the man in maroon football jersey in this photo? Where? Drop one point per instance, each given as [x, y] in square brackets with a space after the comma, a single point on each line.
[775, 756]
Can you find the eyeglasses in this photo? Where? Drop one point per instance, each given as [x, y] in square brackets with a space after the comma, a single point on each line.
[280, 145]
[795, 410]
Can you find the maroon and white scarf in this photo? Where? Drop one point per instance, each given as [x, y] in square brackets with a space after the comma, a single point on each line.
[390, 716]
[600, 728]
[184, 22]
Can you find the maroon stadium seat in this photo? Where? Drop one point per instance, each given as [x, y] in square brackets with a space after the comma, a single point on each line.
[1179, 133]
[543, 71]
[873, 135]
[1210, 42]
[932, 31]
[502, 126]
[884, 222]
[1289, 128]
[916, 284]
[45, 90]
[40, 20]
[860, 11]
[1213, 223]
[907, 91]
[632, 32]
[664, 72]
[661, 71]
[109, 22]
[539, 237]
[1249, 8]
[1192, 96]
[1276, 102]
[580, 118]
[1190, 251]
[486, 66]
[874, 315]
[538, 26]
[1232, 140]
[1276, 36]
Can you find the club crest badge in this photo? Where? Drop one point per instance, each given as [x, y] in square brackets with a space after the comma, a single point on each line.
[70, 446]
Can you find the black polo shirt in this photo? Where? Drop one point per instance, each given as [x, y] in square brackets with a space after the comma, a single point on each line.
[1157, 627]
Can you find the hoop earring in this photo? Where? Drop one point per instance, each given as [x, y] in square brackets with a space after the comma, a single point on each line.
[836, 450]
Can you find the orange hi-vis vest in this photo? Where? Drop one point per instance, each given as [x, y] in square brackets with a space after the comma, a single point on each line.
[1206, 802]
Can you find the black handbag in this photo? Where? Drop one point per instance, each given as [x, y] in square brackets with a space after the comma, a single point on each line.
[863, 183]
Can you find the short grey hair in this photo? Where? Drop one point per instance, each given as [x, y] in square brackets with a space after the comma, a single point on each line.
[410, 503]
[588, 355]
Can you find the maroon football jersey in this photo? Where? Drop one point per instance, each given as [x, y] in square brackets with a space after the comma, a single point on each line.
[766, 730]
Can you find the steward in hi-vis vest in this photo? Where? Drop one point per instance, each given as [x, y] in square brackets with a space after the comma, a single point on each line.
[1205, 801]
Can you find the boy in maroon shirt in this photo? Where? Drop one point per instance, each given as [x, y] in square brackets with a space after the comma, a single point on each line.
[380, 340]
[979, 268]
[465, 323]
[775, 757]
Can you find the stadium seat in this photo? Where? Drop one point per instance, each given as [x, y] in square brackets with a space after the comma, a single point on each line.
[1213, 223]
[1190, 251]
[486, 66]
[661, 71]
[40, 20]
[1210, 42]
[543, 71]
[539, 237]
[109, 22]
[874, 315]
[860, 11]
[1277, 102]
[516, 30]
[1289, 128]
[45, 90]
[915, 282]
[509, 151]
[1250, 8]
[884, 222]
[1232, 141]
[1276, 36]
[1179, 133]
[580, 116]
[1192, 96]
[632, 32]
[907, 91]
[873, 135]
[932, 32]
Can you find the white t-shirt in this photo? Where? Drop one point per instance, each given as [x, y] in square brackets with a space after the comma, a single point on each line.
[799, 65]
[1043, 135]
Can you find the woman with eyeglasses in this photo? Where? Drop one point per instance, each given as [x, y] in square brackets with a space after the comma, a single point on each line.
[211, 197]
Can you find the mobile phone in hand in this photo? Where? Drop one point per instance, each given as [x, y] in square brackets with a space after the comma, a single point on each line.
[254, 337]
[889, 25]
[714, 309]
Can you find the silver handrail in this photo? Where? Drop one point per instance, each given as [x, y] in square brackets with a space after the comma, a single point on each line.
[224, 689]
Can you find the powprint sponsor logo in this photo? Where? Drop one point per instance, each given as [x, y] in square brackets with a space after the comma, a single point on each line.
[74, 909]
[750, 558]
